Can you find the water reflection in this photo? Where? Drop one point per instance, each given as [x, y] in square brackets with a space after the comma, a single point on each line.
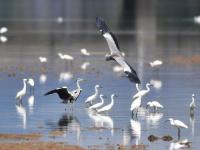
[157, 84]
[153, 119]
[182, 144]
[43, 78]
[31, 100]
[21, 111]
[133, 133]
[192, 122]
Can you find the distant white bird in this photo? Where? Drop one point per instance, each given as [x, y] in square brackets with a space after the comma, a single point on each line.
[3, 39]
[142, 93]
[84, 52]
[95, 106]
[192, 104]
[85, 65]
[3, 30]
[59, 19]
[156, 63]
[65, 56]
[31, 82]
[157, 84]
[21, 93]
[115, 53]
[155, 105]
[65, 76]
[177, 123]
[107, 107]
[42, 59]
[93, 97]
[135, 105]
[197, 19]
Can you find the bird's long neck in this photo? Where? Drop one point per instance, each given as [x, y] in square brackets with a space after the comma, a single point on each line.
[102, 100]
[78, 84]
[24, 87]
[192, 99]
[96, 91]
[137, 87]
[112, 100]
[148, 89]
[172, 122]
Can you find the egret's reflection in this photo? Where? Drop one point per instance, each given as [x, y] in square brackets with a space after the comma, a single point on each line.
[180, 144]
[31, 100]
[153, 118]
[157, 84]
[43, 78]
[133, 133]
[65, 76]
[102, 120]
[192, 122]
[21, 111]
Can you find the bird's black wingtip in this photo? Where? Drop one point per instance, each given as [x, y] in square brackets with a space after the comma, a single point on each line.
[102, 25]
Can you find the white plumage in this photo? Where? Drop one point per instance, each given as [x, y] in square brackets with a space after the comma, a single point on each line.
[107, 107]
[95, 106]
[156, 63]
[142, 93]
[3, 39]
[42, 59]
[93, 97]
[85, 52]
[155, 105]
[135, 105]
[3, 30]
[65, 56]
[192, 104]
[21, 93]
[85, 65]
[31, 82]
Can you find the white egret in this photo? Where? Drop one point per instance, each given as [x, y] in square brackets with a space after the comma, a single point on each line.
[93, 97]
[95, 106]
[31, 83]
[135, 105]
[65, 56]
[3, 39]
[3, 30]
[59, 19]
[157, 84]
[84, 52]
[107, 107]
[197, 19]
[65, 76]
[177, 123]
[137, 87]
[192, 104]
[156, 63]
[154, 104]
[142, 93]
[85, 65]
[115, 53]
[180, 144]
[22, 92]
[67, 96]
[42, 59]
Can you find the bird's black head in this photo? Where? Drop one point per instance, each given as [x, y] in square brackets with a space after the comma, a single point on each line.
[103, 28]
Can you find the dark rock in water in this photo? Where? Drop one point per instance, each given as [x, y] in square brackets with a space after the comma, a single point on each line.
[167, 138]
[153, 138]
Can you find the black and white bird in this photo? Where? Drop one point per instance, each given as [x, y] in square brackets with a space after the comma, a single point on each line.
[67, 96]
[115, 53]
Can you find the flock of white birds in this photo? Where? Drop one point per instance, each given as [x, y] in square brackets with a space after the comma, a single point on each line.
[99, 107]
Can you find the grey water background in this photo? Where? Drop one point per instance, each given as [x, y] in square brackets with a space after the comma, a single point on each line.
[145, 31]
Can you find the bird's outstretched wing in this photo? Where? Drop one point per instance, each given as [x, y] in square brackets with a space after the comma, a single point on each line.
[131, 73]
[62, 93]
[108, 35]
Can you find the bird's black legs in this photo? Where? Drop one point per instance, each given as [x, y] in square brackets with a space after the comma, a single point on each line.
[179, 133]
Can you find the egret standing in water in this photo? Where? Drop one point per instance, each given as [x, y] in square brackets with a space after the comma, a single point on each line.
[192, 104]
[155, 105]
[31, 83]
[109, 106]
[93, 97]
[135, 105]
[67, 96]
[21, 93]
[179, 124]
[97, 105]
[115, 53]
[142, 93]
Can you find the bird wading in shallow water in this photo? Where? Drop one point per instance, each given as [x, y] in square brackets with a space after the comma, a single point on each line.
[115, 53]
[93, 97]
[97, 105]
[22, 92]
[67, 96]
[177, 123]
[155, 105]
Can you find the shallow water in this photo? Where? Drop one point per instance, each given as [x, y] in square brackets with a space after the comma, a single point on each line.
[173, 86]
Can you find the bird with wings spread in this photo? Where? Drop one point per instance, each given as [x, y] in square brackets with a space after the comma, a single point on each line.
[115, 53]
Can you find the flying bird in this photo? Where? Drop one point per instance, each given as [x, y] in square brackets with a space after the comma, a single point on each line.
[115, 53]
[67, 96]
